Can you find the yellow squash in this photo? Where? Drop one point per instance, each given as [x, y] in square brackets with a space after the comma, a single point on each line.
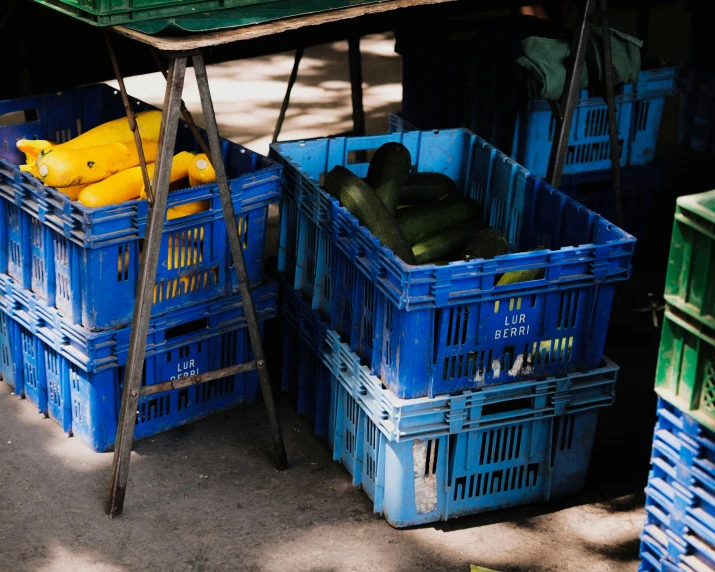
[129, 184]
[32, 169]
[179, 169]
[201, 172]
[186, 210]
[32, 148]
[116, 131]
[73, 192]
[70, 167]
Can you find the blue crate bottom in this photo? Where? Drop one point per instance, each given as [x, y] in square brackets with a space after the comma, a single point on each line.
[425, 480]
[86, 404]
[441, 476]
[679, 532]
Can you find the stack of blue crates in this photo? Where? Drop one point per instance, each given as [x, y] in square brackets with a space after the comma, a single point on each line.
[442, 393]
[69, 274]
[679, 533]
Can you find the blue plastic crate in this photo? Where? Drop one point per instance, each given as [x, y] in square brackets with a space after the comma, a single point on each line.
[428, 330]
[306, 378]
[85, 261]
[668, 543]
[428, 479]
[306, 337]
[679, 532]
[639, 110]
[535, 437]
[696, 125]
[529, 127]
[83, 371]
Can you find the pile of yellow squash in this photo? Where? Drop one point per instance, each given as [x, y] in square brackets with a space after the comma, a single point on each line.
[101, 167]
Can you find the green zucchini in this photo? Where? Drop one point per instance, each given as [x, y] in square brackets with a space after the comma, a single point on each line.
[360, 199]
[335, 180]
[427, 187]
[486, 244]
[388, 171]
[522, 275]
[437, 246]
[420, 221]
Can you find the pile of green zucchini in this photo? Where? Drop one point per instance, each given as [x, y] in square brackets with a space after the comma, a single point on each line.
[419, 216]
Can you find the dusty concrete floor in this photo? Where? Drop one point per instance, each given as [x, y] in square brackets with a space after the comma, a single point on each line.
[206, 497]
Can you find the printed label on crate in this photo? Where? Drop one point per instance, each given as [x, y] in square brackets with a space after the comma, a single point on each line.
[185, 362]
[185, 368]
[511, 321]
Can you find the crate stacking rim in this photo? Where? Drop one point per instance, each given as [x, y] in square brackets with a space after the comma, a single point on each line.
[85, 261]
[75, 376]
[422, 460]
[679, 532]
[427, 330]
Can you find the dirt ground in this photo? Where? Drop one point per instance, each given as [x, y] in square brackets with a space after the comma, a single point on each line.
[206, 497]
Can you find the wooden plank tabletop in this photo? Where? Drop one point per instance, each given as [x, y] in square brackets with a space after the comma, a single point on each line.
[221, 37]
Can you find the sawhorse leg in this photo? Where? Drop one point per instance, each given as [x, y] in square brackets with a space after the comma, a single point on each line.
[355, 61]
[239, 261]
[147, 277]
[355, 65]
[564, 111]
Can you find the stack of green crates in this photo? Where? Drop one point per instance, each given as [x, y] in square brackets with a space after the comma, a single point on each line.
[686, 367]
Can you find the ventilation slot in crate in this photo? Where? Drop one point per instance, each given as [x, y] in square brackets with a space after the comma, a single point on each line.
[371, 451]
[369, 303]
[352, 414]
[53, 367]
[707, 397]
[642, 108]
[29, 363]
[242, 228]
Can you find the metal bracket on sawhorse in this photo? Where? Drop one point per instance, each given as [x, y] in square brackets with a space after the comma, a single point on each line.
[150, 257]
[565, 108]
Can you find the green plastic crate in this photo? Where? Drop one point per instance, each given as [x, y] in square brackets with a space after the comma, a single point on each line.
[690, 282]
[116, 12]
[155, 16]
[685, 375]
